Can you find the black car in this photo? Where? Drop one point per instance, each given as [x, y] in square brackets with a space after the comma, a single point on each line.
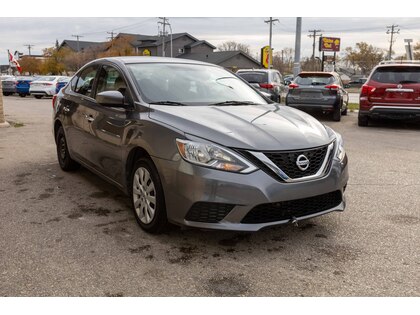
[319, 91]
[266, 80]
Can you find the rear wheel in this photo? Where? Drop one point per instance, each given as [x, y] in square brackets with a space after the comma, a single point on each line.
[147, 197]
[363, 121]
[7, 93]
[66, 162]
[22, 94]
[38, 96]
[337, 114]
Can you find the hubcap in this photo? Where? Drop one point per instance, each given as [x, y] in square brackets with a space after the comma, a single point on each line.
[144, 195]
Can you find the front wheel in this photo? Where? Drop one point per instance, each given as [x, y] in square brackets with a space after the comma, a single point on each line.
[147, 197]
[66, 162]
[22, 95]
[38, 97]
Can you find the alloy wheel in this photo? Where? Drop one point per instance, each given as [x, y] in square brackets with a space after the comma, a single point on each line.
[144, 195]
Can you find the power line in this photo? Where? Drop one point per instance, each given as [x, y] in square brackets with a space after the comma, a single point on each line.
[112, 35]
[391, 30]
[77, 36]
[314, 35]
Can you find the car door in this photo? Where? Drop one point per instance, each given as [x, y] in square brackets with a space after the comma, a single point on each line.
[75, 101]
[106, 126]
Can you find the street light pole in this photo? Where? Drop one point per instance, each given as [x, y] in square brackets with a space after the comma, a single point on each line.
[296, 65]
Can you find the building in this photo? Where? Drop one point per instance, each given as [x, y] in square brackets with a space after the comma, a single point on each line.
[232, 60]
[184, 45]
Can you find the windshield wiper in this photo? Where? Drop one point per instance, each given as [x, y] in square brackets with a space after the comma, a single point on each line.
[227, 103]
[168, 103]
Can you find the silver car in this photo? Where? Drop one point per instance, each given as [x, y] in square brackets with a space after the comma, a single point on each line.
[194, 145]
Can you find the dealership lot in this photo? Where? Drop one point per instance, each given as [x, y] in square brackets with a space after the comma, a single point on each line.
[72, 234]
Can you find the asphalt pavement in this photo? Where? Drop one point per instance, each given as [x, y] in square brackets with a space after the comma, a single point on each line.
[72, 234]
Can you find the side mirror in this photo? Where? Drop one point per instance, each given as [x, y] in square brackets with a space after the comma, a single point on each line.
[110, 99]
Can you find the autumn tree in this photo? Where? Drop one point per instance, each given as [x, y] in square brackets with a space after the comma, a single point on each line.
[119, 46]
[54, 62]
[416, 51]
[30, 64]
[234, 46]
[363, 56]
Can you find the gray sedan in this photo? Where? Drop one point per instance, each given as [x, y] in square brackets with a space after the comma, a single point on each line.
[194, 145]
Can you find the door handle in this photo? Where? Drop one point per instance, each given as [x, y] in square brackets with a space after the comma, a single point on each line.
[89, 118]
[66, 109]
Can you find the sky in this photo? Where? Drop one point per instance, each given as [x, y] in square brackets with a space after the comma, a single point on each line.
[42, 32]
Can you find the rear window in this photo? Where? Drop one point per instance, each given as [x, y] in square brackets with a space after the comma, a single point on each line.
[254, 77]
[314, 79]
[397, 75]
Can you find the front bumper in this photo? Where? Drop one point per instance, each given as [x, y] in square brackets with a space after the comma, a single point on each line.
[185, 184]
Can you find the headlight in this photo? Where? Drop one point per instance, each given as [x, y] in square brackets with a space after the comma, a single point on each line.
[341, 153]
[213, 156]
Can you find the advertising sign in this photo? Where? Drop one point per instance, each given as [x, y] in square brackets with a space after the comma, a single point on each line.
[329, 44]
[265, 51]
[146, 52]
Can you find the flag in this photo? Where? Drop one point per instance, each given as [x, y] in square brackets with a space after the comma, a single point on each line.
[14, 61]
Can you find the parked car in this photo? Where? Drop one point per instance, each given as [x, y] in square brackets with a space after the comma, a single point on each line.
[8, 86]
[23, 84]
[318, 91]
[192, 144]
[356, 83]
[288, 79]
[61, 83]
[391, 91]
[44, 86]
[269, 81]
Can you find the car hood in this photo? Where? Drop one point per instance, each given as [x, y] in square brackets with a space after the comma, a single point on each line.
[250, 127]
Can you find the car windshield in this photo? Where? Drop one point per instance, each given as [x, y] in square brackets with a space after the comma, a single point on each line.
[191, 84]
[397, 75]
[254, 77]
[313, 79]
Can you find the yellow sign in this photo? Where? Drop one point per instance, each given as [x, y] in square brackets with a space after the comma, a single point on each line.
[265, 56]
[146, 52]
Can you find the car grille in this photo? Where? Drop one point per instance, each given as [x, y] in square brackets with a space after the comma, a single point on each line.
[286, 210]
[286, 161]
[209, 212]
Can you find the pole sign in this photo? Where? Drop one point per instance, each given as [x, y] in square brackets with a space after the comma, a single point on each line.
[265, 57]
[329, 44]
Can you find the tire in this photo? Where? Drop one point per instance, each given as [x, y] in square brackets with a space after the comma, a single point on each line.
[38, 97]
[7, 93]
[337, 114]
[147, 197]
[67, 164]
[22, 95]
[363, 121]
[344, 112]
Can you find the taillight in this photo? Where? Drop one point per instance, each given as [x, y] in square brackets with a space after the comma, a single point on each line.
[293, 86]
[266, 85]
[367, 90]
[332, 87]
[53, 101]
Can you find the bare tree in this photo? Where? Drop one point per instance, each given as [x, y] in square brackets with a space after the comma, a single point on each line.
[234, 46]
[416, 51]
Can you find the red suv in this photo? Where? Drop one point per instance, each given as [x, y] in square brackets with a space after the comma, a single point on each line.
[391, 91]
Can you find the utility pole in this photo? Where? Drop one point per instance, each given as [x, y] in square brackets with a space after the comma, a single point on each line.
[314, 35]
[391, 30]
[408, 49]
[164, 22]
[296, 65]
[77, 36]
[271, 21]
[29, 47]
[112, 35]
[78, 50]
